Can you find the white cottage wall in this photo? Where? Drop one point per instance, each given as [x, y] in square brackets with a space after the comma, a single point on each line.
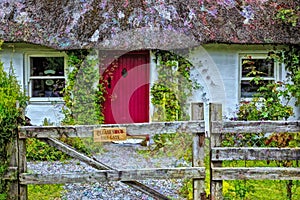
[9, 57]
[217, 70]
[153, 78]
[219, 76]
[224, 62]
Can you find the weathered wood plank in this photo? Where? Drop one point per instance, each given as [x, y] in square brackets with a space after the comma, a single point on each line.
[248, 153]
[255, 126]
[98, 165]
[132, 129]
[197, 111]
[198, 151]
[22, 168]
[114, 175]
[12, 150]
[256, 173]
[216, 186]
[198, 161]
[146, 190]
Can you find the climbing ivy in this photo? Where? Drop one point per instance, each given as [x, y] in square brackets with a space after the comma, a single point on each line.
[173, 87]
[290, 56]
[12, 105]
[289, 16]
[83, 100]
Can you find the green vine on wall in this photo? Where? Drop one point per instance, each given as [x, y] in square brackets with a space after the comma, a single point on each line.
[83, 95]
[289, 16]
[12, 104]
[291, 59]
[173, 87]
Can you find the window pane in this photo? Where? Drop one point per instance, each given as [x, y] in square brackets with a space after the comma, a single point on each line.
[47, 66]
[248, 89]
[264, 66]
[47, 87]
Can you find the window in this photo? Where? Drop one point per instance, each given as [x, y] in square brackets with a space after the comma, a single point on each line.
[46, 77]
[252, 66]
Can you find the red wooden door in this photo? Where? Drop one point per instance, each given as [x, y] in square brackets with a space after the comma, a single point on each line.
[127, 86]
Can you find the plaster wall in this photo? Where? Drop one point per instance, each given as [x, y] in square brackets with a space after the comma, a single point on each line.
[216, 69]
[219, 64]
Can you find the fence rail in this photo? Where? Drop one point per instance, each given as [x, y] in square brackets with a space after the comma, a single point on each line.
[256, 173]
[248, 153]
[85, 131]
[255, 126]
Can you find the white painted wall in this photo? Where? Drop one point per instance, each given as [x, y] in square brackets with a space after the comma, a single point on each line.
[9, 57]
[216, 70]
[220, 63]
[153, 79]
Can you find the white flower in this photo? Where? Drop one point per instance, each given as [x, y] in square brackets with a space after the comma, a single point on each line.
[95, 36]
[121, 15]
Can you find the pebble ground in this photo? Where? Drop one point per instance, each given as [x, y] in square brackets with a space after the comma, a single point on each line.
[119, 157]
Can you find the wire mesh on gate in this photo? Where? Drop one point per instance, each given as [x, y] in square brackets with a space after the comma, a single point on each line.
[243, 139]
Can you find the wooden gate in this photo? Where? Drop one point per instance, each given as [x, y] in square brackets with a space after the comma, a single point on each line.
[20, 178]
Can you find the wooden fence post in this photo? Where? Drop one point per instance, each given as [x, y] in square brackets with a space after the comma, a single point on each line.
[17, 152]
[198, 152]
[215, 114]
[12, 151]
[22, 167]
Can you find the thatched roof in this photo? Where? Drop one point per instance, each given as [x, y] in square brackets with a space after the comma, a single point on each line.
[134, 24]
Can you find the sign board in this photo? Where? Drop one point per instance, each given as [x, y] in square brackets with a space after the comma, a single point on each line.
[109, 134]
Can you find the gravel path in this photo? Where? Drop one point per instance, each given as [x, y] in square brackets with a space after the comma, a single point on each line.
[117, 156]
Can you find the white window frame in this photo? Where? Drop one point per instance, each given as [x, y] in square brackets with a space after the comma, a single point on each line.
[28, 77]
[254, 55]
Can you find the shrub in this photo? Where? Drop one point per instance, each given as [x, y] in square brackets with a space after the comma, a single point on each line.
[40, 151]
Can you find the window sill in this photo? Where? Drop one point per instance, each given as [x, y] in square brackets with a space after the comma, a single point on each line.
[46, 100]
[248, 99]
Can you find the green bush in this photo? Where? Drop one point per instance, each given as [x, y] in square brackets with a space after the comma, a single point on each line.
[267, 105]
[45, 192]
[83, 101]
[40, 151]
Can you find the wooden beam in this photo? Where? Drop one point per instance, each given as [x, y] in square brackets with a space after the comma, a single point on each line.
[256, 173]
[13, 151]
[216, 186]
[198, 151]
[98, 165]
[114, 175]
[248, 153]
[23, 193]
[132, 129]
[255, 126]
